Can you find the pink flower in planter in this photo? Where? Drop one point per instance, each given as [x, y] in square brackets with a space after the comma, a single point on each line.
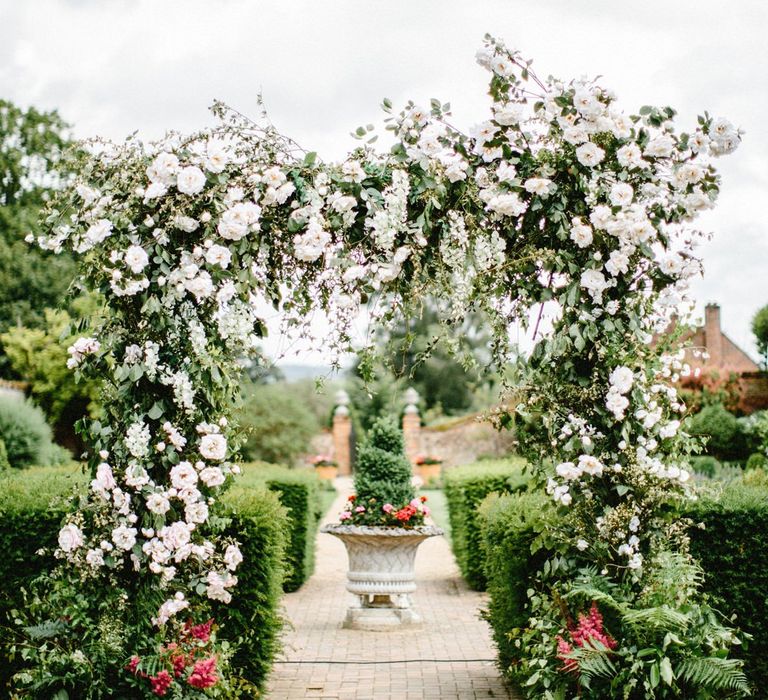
[425, 510]
[416, 502]
[360, 509]
[387, 507]
[346, 515]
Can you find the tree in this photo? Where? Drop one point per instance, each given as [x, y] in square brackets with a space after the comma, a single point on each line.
[40, 356]
[760, 331]
[32, 166]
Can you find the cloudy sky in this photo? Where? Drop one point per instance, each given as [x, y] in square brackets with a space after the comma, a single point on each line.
[112, 67]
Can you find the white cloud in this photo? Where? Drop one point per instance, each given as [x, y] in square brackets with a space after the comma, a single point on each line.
[323, 67]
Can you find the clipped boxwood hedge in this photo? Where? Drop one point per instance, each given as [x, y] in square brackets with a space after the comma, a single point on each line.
[509, 524]
[732, 551]
[465, 488]
[299, 492]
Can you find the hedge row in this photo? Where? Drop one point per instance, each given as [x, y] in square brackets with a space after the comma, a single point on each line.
[509, 524]
[465, 488]
[274, 514]
[299, 492]
[731, 548]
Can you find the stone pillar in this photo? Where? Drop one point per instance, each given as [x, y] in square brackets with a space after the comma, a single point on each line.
[412, 425]
[713, 335]
[342, 434]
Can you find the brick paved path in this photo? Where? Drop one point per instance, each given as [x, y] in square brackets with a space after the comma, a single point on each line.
[449, 656]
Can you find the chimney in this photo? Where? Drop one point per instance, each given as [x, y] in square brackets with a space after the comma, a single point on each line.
[713, 336]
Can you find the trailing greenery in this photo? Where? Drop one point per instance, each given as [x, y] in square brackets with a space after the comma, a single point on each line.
[731, 549]
[465, 489]
[26, 434]
[509, 525]
[383, 472]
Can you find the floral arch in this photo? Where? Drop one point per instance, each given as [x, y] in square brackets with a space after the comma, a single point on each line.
[557, 197]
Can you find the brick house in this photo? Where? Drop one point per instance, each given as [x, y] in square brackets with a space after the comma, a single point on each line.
[719, 364]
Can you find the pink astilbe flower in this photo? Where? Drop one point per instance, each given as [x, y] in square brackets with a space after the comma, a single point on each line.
[204, 674]
[588, 630]
[161, 682]
[201, 631]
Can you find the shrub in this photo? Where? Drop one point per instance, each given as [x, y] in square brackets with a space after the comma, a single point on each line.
[509, 524]
[465, 488]
[731, 549]
[727, 438]
[259, 524]
[299, 492]
[705, 465]
[23, 429]
[278, 425]
[33, 503]
[757, 460]
[383, 472]
[4, 463]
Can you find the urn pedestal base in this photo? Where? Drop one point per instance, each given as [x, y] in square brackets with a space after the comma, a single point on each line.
[381, 574]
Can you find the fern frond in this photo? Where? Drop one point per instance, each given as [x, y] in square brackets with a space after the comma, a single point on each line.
[659, 618]
[714, 673]
[594, 661]
[595, 594]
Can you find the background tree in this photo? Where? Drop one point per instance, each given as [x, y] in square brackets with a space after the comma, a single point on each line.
[760, 331]
[32, 165]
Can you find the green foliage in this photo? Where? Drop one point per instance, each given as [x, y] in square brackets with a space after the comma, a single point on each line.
[757, 460]
[509, 525]
[726, 437]
[299, 493]
[4, 463]
[25, 432]
[705, 465]
[39, 355]
[263, 528]
[465, 489]
[760, 331]
[33, 504]
[383, 472]
[732, 552]
[277, 423]
[31, 165]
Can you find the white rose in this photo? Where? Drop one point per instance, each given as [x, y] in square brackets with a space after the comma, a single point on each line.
[218, 255]
[537, 185]
[190, 180]
[593, 280]
[507, 204]
[196, 512]
[124, 537]
[621, 379]
[158, 503]
[616, 404]
[216, 156]
[568, 471]
[621, 194]
[70, 538]
[591, 465]
[183, 475]
[581, 234]
[212, 476]
[201, 286]
[136, 258]
[163, 169]
[508, 114]
[581, 545]
[95, 557]
[213, 446]
[590, 154]
[233, 557]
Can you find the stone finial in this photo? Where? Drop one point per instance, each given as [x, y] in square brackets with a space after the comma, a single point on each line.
[411, 400]
[342, 403]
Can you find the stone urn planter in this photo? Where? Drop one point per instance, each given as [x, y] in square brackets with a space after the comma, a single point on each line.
[381, 573]
[430, 471]
[327, 472]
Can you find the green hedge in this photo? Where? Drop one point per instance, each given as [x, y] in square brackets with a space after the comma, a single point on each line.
[465, 488]
[33, 503]
[299, 492]
[732, 551]
[259, 524]
[509, 524]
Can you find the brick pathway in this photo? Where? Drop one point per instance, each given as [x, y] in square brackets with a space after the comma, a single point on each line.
[449, 656]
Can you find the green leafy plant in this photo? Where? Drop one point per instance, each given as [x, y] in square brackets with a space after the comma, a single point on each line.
[25, 432]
